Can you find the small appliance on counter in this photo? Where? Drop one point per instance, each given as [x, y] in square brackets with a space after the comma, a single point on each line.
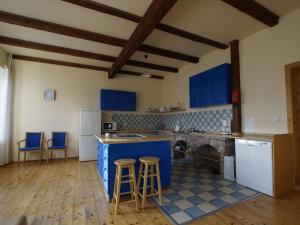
[162, 109]
[110, 126]
[226, 126]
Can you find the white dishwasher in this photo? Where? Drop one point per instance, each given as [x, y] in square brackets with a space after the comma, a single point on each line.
[254, 164]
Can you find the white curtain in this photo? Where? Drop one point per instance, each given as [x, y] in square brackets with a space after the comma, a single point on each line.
[5, 112]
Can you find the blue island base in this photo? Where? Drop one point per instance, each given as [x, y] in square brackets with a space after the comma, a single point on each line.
[108, 153]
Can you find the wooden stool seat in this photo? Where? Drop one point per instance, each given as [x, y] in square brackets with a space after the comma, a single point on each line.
[125, 162]
[130, 178]
[149, 159]
[149, 168]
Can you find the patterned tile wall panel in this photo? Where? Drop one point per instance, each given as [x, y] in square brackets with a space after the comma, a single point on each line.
[141, 121]
[210, 120]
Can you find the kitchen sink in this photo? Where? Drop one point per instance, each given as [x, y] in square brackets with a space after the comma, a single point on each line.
[128, 136]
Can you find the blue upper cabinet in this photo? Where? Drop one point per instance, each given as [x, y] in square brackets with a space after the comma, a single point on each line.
[117, 100]
[212, 87]
[221, 84]
[193, 89]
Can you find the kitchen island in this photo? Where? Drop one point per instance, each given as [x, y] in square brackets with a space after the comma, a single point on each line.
[111, 149]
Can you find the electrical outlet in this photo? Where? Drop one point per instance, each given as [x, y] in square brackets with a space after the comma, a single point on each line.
[276, 119]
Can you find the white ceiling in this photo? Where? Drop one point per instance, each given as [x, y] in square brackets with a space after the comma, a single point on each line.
[210, 18]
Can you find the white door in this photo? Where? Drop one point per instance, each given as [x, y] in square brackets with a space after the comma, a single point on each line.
[87, 148]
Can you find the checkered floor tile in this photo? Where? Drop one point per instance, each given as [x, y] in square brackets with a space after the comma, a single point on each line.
[197, 192]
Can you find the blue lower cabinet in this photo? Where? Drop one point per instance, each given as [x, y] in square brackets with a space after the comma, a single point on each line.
[160, 149]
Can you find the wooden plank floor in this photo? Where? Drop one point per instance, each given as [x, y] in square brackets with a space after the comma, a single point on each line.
[70, 193]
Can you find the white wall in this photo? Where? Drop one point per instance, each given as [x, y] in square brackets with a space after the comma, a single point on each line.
[76, 89]
[263, 57]
[3, 57]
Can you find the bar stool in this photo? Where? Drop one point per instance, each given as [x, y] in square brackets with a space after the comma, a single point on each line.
[120, 165]
[149, 168]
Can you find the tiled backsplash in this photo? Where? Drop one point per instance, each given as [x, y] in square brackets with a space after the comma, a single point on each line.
[208, 120]
[142, 121]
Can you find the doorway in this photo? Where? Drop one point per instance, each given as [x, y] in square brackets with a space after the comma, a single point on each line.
[293, 110]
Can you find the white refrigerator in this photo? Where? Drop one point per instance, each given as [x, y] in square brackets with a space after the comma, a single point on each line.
[90, 124]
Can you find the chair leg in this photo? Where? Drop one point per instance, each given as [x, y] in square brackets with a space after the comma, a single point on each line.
[18, 158]
[66, 156]
[115, 186]
[145, 185]
[119, 179]
[131, 183]
[158, 183]
[41, 155]
[140, 176]
[132, 172]
[47, 156]
[51, 154]
[152, 178]
[25, 156]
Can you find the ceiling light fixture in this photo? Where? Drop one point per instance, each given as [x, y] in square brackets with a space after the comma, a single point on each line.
[146, 74]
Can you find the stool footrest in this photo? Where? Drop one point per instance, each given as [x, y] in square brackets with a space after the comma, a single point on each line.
[128, 201]
[152, 194]
[126, 193]
[126, 181]
[151, 175]
[149, 195]
[141, 188]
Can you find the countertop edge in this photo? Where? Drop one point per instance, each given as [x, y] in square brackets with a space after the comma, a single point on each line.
[104, 140]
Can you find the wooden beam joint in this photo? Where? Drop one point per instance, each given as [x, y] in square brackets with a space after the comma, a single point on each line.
[157, 10]
[99, 7]
[255, 10]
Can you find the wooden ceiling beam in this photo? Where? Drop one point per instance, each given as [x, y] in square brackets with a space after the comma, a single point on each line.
[255, 10]
[135, 18]
[78, 65]
[79, 53]
[154, 14]
[24, 21]
[236, 124]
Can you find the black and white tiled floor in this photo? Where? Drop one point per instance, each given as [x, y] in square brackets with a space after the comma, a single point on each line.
[195, 193]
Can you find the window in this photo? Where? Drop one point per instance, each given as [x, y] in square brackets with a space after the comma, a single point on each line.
[5, 105]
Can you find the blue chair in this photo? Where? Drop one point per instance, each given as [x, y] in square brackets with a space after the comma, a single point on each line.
[58, 142]
[33, 143]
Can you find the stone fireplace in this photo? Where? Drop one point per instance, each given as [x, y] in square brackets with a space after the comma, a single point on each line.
[215, 146]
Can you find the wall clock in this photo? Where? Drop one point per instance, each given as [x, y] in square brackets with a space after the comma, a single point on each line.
[49, 95]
